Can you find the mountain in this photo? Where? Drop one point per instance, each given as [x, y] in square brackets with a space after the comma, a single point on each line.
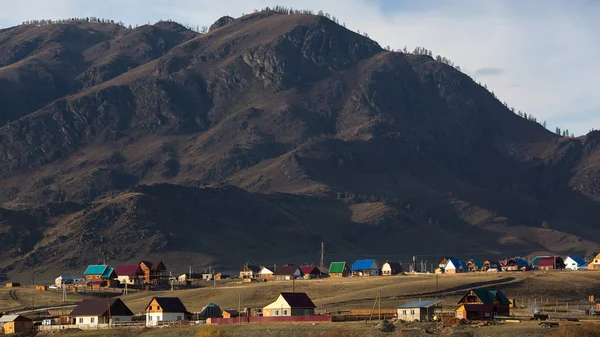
[262, 138]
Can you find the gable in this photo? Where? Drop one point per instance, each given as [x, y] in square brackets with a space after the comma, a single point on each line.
[337, 267]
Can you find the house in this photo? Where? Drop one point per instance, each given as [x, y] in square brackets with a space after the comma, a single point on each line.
[455, 266]
[311, 272]
[550, 262]
[421, 311]
[474, 265]
[13, 284]
[391, 268]
[222, 276]
[154, 272]
[249, 271]
[129, 274]
[444, 262]
[188, 277]
[266, 273]
[287, 273]
[15, 324]
[365, 268]
[165, 309]
[483, 304]
[100, 311]
[338, 270]
[290, 304]
[516, 264]
[575, 263]
[491, 266]
[68, 280]
[594, 264]
[207, 276]
[230, 313]
[211, 310]
[99, 272]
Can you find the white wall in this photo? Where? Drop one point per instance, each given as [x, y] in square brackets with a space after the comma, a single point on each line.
[153, 318]
[89, 320]
[409, 314]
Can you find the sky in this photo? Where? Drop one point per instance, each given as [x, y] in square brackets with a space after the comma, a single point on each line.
[539, 56]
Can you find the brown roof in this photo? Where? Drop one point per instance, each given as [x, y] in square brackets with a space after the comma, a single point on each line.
[129, 270]
[154, 265]
[286, 270]
[99, 307]
[298, 300]
[169, 304]
[310, 270]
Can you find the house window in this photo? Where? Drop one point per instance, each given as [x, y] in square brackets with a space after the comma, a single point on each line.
[80, 320]
[93, 320]
[412, 312]
[276, 312]
[404, 312]
[116, 320]
[158, 307]
[150, 317]
[97, 276]
[285, 312]
[179, 318]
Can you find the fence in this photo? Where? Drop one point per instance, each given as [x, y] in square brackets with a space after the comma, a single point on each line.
[269, 319]
[59, 327]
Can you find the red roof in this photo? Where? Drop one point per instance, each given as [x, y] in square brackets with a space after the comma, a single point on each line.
[310, 270]
[546, 262]
[129, 270]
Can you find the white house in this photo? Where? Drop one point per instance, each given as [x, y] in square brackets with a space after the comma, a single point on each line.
[575, 263]
[391, 268]
[68, 279]
[266, 273]
[90, 313]
[417, 311]
[165, 309]
[290, 304]
[455, 266]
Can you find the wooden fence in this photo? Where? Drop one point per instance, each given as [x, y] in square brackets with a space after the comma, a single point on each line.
[269, 319]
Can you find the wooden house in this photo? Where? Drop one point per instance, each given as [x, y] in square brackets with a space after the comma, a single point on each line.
[365, 268]
[249, 271]
[165, 309]
[575, 263]
[130, 274]
[594, 264]
[474, 265]
[189, 277]
[454, 266]
[96, 272]
[90, 313]
[266, 273]
[491, 266]
[311, 272]
[230, 313]
[421, 311]
[338, 270]
[550, 262]
[391, 268]
[154, 272]
[290, 304]
[15, 324]
[479, 304]
[287, 273]
[13, 284]
[516, 264]
[444, 262]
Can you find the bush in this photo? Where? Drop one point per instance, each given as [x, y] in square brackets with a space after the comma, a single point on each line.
[210, 331]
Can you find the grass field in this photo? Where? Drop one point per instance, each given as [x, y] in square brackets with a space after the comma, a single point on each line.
[27, 297]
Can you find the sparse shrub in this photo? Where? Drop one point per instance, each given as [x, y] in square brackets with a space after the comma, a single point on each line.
[210, 331]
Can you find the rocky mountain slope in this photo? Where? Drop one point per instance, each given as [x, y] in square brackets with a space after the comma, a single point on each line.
[262, 138]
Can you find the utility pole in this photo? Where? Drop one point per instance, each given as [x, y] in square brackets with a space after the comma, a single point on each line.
[171, 280]
[414, 264]
[33, 276]
[322, 264]
[239, 308]
[108, 305]
[190, 274]
[380, 305]
[293, 284]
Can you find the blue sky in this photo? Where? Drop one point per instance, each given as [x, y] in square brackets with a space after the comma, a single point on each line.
[539, 56]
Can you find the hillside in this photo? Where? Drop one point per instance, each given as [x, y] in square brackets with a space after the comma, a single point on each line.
[269, 132]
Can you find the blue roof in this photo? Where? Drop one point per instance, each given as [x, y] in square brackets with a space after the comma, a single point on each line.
[458, 263]
[578, 260]
[362, 265]
[419, 304]
[107, 272]
[95, 269]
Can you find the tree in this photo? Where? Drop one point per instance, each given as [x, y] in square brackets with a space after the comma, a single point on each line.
[544, 124]
[557, 131]
[320, 13]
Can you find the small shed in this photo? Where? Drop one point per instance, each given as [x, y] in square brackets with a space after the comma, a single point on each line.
[15, 324]
[421, 311]
[211, 310]
[230, 313]
[13, 284]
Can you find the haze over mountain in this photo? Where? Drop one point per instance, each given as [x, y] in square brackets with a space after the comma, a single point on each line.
[262, 138]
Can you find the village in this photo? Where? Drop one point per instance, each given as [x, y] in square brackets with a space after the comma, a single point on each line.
[106, 287]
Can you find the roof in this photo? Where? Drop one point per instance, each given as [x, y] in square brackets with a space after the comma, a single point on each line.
[419, 304]
[211, 310]
[128, 270]
[310, 270]
[395, 266]
[298, 300]
[519, 262]
[362, 265]
[457, 263]
[232, 312]
[12, 318]
[95, 269]
[108, 272]
[487, 296]
[547, 261]
[69, 277]
[169, 304]
[337, 267]
[99, 307]
[323, 270]
[267, 269]
[477, 263]
[153, 265]
[577, 260]
[285, 270]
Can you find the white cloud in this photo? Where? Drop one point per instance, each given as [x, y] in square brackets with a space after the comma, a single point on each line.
[547, 51]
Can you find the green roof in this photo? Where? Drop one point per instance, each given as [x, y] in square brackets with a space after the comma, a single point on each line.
[108, 272]
[487, 296]
[337, 267]
[95, 269]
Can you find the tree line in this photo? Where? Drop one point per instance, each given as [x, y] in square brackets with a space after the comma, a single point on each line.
[92, 19]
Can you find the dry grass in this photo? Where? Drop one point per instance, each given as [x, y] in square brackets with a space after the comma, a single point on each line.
[29, 296]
